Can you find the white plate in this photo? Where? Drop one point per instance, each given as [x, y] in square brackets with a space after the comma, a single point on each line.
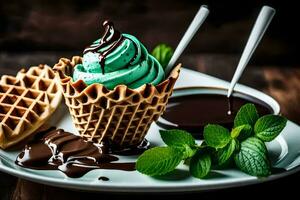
[284, 152]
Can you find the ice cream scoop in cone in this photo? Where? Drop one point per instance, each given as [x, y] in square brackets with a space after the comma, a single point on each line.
[122, 115]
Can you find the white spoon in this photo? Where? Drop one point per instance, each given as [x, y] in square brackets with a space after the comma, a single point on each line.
[194, 26]
[263, 20]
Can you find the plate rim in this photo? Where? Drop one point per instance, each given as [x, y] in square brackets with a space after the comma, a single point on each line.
[142, 189]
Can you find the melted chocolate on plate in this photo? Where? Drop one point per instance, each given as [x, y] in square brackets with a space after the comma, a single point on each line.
[71, 154]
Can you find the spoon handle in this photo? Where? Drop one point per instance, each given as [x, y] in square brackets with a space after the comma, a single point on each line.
[194, 26]
[264, 18]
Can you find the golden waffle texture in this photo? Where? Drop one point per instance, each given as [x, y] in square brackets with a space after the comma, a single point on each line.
[26, 102]
[121, 115]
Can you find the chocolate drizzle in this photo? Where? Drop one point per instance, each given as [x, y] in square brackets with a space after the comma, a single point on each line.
[111, 37]
[68, 153]
[103, 178]
[126, 151]
[230, 106]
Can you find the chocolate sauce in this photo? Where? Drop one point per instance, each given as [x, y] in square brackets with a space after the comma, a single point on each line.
[127, 151]
[110, 37]
[193, 112]
[103, 178]
[229, 104]
[68, 153]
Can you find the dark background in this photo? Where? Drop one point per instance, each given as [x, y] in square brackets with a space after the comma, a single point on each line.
[42, 31]
[70, 25]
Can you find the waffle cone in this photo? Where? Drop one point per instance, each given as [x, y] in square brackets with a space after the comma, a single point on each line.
[26, 102]
[122, 115]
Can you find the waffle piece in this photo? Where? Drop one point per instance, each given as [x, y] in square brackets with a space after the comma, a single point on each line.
[121, 115]
[26, 102]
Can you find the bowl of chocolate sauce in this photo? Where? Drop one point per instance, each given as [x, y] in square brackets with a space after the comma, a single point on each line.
[192, 108]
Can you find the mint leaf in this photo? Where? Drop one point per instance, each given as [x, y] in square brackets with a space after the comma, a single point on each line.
[200, 164]
[181, 140]
[187, 151]
[269, 127]
[246, 115]
[163, 54]
[241, 132]
[252, 158]
[177, 138]
[158, 161]
[216, 136]
[224, 154]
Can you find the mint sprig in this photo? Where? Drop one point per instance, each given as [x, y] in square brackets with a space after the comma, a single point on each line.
[163, 54]
[181, 140]
[243, 145]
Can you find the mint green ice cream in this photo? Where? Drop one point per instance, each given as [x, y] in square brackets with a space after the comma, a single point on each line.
[117, 59]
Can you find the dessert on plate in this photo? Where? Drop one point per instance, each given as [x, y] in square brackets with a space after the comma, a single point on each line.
[116, 90]
[26, 102]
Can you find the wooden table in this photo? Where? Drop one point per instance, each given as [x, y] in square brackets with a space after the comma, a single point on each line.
[281, 82]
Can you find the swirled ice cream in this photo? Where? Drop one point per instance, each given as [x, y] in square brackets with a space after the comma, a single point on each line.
[117, 59]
